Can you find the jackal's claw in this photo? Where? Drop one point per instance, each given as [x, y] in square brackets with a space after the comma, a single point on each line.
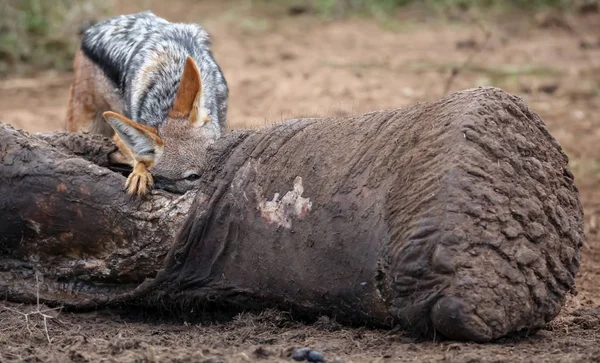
[139, 182]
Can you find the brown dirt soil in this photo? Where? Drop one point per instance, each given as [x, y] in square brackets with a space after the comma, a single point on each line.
[280, 67]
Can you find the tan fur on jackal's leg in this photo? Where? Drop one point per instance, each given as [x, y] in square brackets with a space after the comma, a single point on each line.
[140, 180]
[140, 146]
[123, 155]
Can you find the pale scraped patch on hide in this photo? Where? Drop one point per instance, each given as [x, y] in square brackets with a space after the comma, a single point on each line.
[281, 211]
[278, 211]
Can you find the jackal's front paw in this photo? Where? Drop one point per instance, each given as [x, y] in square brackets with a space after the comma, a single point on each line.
[139, 181]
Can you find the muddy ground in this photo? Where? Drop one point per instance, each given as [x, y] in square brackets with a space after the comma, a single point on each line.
[280, 66]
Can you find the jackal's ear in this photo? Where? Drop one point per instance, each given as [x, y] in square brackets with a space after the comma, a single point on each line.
[188, 93]
[143, 141]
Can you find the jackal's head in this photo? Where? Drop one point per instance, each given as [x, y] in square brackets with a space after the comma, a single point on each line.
[175, 151]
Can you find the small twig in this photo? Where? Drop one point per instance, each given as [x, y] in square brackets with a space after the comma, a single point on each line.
[37, 289]
[37, 311]
[469, 60]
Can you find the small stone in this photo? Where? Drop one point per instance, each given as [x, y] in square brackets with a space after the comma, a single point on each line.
[549, 88]
[314, 356]
[298, 9]
[300, 354]
[466, 44]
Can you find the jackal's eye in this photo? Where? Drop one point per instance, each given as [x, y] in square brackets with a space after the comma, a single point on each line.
[192, 177]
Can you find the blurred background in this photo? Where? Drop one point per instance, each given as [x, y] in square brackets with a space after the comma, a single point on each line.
[294, 58]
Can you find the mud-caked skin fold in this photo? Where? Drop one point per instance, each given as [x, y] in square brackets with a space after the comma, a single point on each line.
[502, 228]
[457, 218]
[156, 87]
